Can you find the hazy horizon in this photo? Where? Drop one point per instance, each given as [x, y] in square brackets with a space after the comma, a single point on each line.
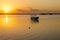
[30, 10]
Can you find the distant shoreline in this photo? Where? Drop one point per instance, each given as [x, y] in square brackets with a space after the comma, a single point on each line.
[29, 13]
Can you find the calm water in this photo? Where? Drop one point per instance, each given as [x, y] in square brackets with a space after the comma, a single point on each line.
[16, 27]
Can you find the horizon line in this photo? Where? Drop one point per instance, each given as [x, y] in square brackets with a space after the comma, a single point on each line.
[29, 13]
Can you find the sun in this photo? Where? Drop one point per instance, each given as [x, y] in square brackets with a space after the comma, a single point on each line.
[6, 8]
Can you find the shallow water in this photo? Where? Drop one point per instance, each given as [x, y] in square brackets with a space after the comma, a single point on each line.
[17, 27]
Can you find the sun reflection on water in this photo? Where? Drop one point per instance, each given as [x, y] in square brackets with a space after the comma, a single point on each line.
[6, 19]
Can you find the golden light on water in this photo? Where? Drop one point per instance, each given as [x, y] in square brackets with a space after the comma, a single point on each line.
[6, 19]
[7, 8]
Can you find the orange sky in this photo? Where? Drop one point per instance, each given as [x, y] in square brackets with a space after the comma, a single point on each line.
[39, 4]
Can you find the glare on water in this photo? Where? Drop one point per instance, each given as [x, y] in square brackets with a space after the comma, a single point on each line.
[6, 19]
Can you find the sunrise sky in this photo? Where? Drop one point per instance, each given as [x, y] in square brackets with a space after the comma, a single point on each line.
[25, 4]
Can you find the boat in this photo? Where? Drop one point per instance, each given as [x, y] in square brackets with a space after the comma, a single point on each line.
[35, 18]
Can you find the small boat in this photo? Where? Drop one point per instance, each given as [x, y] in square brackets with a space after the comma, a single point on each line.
[35, 18]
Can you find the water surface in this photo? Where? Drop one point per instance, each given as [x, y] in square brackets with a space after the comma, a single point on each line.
[17, 27]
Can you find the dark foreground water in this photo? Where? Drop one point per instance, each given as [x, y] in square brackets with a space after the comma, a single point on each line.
[16, 27]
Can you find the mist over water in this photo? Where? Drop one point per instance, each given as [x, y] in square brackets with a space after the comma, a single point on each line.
[17, 27]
